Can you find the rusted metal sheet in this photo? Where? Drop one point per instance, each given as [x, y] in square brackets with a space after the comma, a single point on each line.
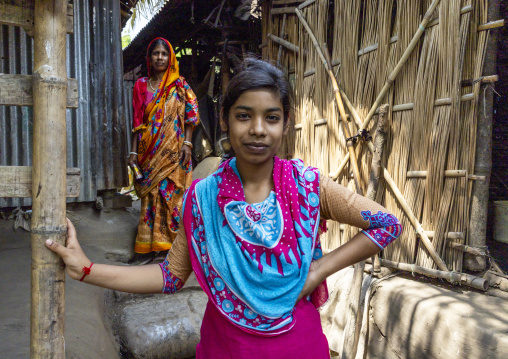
[96, 130]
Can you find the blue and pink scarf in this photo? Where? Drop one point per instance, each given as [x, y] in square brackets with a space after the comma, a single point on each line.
[252, 260]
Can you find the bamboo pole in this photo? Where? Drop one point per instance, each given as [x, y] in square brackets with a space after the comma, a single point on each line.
[354, 314]
[483, 156]
[49, 179]
[453, 277]
[491, 25]
[414, 221]
[327, 62]
[466, 249]
[284, 43]
[400, 198]
[283, 28]
[342, 111]
[400, 64]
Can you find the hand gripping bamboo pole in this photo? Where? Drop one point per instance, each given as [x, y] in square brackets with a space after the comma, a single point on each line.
[48, 179]
[400, 64]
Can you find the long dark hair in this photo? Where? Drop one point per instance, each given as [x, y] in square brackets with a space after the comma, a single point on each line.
[256, 74]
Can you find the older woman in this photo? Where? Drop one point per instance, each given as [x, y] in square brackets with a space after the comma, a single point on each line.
[165, 114]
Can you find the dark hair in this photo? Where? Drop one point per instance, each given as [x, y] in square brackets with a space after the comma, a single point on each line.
[155, 43]
[256, 74]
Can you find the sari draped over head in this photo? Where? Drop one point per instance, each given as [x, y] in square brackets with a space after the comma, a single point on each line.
[252, 260]
[161, 133]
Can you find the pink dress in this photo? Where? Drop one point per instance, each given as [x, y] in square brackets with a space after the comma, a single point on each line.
[304, 341]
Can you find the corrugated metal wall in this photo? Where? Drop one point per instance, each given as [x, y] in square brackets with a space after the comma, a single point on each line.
[96, 131]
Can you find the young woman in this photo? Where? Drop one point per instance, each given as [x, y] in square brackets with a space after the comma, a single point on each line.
[251, 234]
[165, 113]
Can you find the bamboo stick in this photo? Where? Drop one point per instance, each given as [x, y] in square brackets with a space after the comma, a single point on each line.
[466, 249]
[395, 38]
[328, 66]
[453, 277]
[439, 102]
[283, 28]
[483, 79]
[305, 4]
[284, 43]
[374, 47]
[496, 266]
[497, 280]
[414, 221]
[400, 64]
[402, 201]
[286, 2]
[47, 315]
[491, 25]
[342, 111]
[282, 10]
[449, 235]
[312, 37]
[447, 173]
[313, 71]
[464, 10]
[353, 314]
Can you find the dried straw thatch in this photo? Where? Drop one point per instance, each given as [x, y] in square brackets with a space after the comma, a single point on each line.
[432, 114]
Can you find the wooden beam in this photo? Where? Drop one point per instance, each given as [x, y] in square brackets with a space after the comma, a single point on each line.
[16, 90]
[21, 13]
[16, 181]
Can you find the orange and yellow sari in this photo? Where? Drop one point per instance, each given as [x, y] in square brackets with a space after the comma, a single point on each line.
[161, 136]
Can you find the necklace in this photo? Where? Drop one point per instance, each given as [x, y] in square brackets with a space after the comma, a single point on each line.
[150, 83]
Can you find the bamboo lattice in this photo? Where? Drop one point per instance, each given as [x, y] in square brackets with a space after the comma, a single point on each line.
[434, 130]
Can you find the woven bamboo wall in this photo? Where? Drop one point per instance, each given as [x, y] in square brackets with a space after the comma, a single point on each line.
[368, 38]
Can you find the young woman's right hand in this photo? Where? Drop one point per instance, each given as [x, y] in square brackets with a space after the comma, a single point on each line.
[72, 254]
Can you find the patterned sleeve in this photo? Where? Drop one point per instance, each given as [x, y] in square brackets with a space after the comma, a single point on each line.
[341, 205]
[191, 105]
[177, 266]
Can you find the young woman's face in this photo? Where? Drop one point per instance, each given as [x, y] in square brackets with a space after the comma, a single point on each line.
[159, 59]
[256, 126]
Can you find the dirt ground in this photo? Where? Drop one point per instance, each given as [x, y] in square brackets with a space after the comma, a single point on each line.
[106, 236]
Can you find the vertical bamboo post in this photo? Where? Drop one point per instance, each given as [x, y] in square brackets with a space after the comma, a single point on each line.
[483, 158]
[354, 314]
[48, 179]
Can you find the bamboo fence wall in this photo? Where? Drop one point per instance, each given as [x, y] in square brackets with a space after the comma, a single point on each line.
[432, 114]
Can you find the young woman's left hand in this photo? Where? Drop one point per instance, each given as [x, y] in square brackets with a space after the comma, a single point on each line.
[185, 154]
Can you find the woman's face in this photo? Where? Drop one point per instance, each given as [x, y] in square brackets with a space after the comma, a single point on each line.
[159, 59]
[256, 126]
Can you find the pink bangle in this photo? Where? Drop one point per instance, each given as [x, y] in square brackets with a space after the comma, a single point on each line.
[86, 271]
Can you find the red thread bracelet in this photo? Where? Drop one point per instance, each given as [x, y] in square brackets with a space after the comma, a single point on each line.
[86, 271]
